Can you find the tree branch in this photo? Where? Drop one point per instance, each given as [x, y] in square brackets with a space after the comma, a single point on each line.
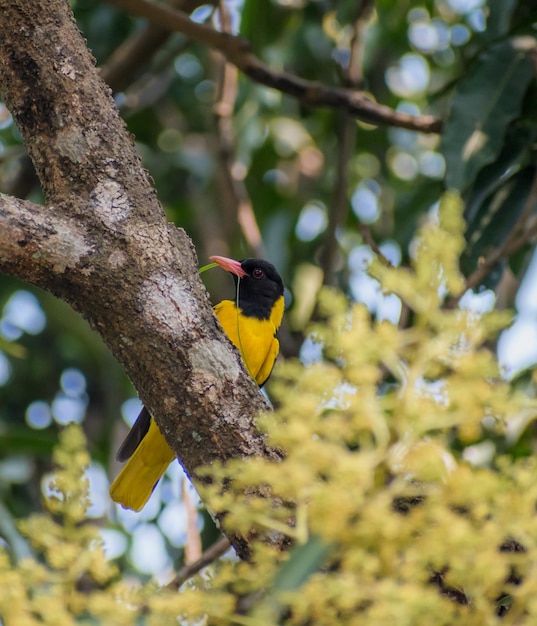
[213, 552]
[313, 94]
[102, 244]
[136, 52]
[39, 243]
[124, 65]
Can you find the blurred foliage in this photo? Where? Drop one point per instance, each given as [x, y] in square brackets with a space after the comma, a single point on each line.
[393, 522]
[47, 586]
[216, 142]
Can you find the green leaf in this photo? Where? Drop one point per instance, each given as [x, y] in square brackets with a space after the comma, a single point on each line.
[12, 348]
[494, 222]
[518, 139]
[303, 562]
[499, 18]
[506, 601]
[22, 440]
[487, 100]
[209, 266]
[272, 16]
[518, 262]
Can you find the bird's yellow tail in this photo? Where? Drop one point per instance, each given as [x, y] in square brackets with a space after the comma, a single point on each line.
[137, 479]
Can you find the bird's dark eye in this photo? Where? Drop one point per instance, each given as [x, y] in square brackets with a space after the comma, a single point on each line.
[257, 273]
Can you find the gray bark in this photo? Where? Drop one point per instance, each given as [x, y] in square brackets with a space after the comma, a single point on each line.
[101, 242]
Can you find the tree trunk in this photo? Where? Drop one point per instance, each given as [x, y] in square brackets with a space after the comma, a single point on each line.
[102, 243]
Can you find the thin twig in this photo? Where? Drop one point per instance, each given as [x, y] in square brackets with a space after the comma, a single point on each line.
[135, 52]
[354, 73]
[340, 200]
[231, 171]
[313, 94]
[119, 71]
[365, 231]
[193, 538]
[353, 77]
[212, 553]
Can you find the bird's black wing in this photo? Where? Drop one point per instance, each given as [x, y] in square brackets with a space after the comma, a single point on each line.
[136, 434]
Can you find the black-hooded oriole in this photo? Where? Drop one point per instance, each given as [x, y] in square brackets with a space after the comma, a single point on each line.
[250, 322]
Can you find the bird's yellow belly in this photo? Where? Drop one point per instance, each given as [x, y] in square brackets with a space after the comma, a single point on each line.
[253, 337]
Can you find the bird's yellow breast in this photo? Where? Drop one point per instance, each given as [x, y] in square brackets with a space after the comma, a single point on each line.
[253, 337]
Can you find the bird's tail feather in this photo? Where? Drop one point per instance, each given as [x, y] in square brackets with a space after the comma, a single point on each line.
[141, 473]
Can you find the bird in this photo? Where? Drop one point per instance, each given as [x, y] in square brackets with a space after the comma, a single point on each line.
[250, 321]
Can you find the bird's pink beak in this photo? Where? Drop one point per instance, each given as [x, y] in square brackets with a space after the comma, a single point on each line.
[230, 265]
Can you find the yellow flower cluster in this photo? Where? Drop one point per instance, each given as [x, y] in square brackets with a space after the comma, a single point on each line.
[49, 588]
[390, 523]
[374, 469]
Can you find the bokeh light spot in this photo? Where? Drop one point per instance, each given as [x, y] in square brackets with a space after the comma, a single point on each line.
[23, 311]
[432, 164]
[114, 542]
[98, 490]
[460, 34]
[365, 204]
[409, 77]
[130, 409]
[38, 415]
[312, 221]
[5, 369]
[188, 67]
[148, 552]
[17, 469]
[404, 165]
[66, 410]
[73, 382]
[462, 7]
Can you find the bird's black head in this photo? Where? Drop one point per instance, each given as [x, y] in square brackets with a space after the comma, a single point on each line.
[259, 285]
[259, 288]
